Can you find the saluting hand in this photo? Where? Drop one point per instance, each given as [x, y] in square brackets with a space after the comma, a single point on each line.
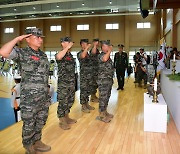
[110, 48]
[22, 37]
[95, 43]
[70, 45]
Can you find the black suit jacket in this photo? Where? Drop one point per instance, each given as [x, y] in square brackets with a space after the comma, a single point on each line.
[120, 61]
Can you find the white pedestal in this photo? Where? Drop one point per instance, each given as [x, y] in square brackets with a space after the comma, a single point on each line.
[155, 114]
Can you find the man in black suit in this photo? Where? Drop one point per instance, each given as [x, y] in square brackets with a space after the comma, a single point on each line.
[120, 64]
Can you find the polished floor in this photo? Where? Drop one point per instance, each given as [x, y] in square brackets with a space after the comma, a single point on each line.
[123, 135]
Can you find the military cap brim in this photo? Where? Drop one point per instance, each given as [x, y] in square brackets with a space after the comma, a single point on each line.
[95, 40]
[106, 42]
[65, 39]
[120, 46]
[84, 40]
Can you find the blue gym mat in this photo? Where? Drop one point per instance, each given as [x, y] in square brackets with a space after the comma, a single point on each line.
[6, 113]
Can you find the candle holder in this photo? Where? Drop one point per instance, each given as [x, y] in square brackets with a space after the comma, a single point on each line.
[155, 97]
[173, 67]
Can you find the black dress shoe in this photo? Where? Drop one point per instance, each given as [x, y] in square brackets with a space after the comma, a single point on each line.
[118, 88]
[122, 88]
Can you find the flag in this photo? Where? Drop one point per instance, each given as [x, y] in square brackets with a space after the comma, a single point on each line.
[161, 57]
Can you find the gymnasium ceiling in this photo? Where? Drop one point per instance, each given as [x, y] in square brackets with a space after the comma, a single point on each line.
[11, 10]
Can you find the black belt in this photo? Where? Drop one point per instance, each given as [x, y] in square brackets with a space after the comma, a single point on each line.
[17, 97]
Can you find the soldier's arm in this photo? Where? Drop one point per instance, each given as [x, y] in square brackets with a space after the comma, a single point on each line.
[8, 47]
[84, 53]
[94, 49]
[62, 53]
[115, 59]
[126, 60]
[107, 55]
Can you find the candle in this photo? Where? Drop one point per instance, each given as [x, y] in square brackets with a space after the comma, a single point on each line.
[174, 57]
[155, 84]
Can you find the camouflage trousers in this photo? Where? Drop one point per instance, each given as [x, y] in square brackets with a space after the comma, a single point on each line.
[34, 118]
[105, 86]
[93, 84]
[65, 97]
[141, 75]
[85, 88]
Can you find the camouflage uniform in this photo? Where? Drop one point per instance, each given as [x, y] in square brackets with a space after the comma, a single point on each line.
[94, 71]
[66, 84]
[105, 81]
[85, 78]
[34, 97]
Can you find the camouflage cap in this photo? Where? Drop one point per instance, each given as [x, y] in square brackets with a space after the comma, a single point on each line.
[34, 31]
[84, 40]
[65, 39]
[120, 46]
[95, 40]
[107, 42]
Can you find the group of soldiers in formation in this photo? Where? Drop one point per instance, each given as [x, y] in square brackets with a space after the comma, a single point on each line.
[96, 71]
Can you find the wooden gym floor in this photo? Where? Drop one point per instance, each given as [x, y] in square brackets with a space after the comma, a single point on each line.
[123, 135]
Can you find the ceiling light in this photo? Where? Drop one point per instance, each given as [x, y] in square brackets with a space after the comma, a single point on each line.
[70, 13]
[57, 5]
[92, 12]
[110, 2]
[50, 14]
[82, 4]
[15, 9]
[15, 17]
[34, 8]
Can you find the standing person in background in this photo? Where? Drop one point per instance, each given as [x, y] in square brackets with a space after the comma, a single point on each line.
[51, 92]
[129, 70]
[94, 52]
[34, 97]
[15, 97]
[85, 75]
[120, 64]
[105, 80]
[66, 83]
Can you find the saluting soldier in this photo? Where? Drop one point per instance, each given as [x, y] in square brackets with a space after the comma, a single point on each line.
[85, 75]
[34, 97]
[66, 83]
[105, 80]
[120, 64]
[94, 52]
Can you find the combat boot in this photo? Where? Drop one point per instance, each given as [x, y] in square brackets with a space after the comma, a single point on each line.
[63, 123]
[69, 120]
[90, 107]
[94, 98]
[40, 146]
[85, 109]
[109, 115]
[103, 117]
[30, 149]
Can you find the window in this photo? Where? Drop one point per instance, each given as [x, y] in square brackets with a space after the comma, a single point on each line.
[30, 27]
[168, 10]
[83, 27]
[9, 30]
[55, 28]
[112, 26]
[144, 25]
